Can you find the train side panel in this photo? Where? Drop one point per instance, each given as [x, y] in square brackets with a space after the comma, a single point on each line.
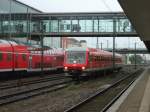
[21, 58]
[6, 57]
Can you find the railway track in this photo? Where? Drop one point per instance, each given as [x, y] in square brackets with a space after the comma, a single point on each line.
[27, 81]
[103, 99]
[29, 89]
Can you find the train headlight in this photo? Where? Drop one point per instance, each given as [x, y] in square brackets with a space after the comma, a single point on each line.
[66, 68]
[83, 68]
[74, 61]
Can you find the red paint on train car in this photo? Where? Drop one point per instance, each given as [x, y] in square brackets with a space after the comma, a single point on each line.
[20, 57]
[82, 60]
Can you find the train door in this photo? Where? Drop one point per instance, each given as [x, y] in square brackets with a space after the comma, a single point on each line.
[30, 63]
[16, 61]
[54, 62]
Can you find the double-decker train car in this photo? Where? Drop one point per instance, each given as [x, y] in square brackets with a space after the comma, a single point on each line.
[80, 61]
[52, 59]
[16, 56]
[13, 57]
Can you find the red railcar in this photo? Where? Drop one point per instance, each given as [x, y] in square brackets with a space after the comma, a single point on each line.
[82, 60]
[13, 57]
[20, 57]
[52, 59]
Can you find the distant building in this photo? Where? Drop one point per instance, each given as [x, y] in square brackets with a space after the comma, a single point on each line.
[65, 42]
[69, 42]
[54, 42]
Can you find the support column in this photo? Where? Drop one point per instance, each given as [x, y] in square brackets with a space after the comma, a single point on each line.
[98, 24]
[114, 32]
[97, 46]
[92, 24]
[58, 25]
[50, 25]
[27, 28]
[71, 26]
[78, 25]
[101, 45]
[10, 20]
[42, 49]
[113, 53]
[107, 44]
[1, 32]
[135, 56]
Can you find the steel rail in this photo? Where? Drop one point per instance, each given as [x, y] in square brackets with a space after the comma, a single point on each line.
[6, 99]
[44, 79]
[101, 92]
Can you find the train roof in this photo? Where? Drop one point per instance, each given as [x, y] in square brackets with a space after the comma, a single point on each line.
[8, 42]
[85, 49]
[92, 50]
[76, 49]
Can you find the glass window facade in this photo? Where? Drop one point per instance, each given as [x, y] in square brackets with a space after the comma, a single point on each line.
[28, 26]
[13, 6]
[11, 26]
[106, 25]
[4, 6]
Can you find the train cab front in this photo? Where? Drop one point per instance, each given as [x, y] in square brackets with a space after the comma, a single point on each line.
[75, 63]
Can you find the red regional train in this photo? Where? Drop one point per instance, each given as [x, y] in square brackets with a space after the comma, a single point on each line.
[81, 61]
[16, 56]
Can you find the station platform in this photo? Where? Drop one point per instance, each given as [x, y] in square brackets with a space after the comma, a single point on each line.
[136, 98]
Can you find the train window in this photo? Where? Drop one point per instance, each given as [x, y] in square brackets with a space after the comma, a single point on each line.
[107, 59]
[68, 27]
[24, 57]
[1, 56]
[61, 27]
[76, 56]
[9, 57]
[95, 58]
[16, 55]
[100, 58]
[90, 57]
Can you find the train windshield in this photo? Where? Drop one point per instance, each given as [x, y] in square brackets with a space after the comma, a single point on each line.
[76, 57]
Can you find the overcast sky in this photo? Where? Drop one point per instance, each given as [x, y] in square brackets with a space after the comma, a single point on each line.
[85, 6]
[74, 5]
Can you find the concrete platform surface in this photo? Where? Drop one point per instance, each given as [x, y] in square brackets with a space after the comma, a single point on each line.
[136, 98]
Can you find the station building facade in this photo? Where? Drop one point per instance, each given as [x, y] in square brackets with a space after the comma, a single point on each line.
[9, 26]
[14, 6]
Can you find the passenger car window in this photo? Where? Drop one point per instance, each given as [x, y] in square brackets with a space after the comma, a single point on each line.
[1, 56]
[9, 57]
[24, 57]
